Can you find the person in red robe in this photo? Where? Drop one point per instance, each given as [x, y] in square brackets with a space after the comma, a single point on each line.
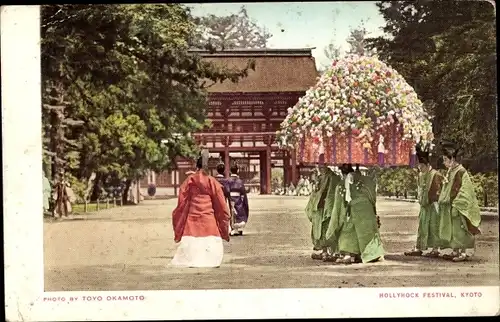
[200, 220]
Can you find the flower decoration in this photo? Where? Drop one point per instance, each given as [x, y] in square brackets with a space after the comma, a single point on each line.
[359, 95]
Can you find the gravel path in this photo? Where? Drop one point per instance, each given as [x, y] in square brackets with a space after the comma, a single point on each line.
[129, 248]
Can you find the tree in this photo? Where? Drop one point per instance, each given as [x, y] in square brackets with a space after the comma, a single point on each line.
[125, 72]
[357, 41]
[357, 44]
[332, 51]
[447, 53]
[229, 32]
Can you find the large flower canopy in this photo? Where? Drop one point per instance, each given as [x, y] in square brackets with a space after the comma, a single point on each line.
[360, 97]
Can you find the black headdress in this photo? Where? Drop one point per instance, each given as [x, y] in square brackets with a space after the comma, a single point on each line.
[346, 168]
[450, 149]
[234, 167]
[221, 167]
[423, 152]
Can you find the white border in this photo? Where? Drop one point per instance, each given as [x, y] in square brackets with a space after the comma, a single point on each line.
[25, 299]
[21, 158]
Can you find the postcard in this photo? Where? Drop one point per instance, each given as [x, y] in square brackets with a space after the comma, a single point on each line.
[249, 161]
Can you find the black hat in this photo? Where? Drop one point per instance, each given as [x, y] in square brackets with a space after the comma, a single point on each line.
[450, 149]
[423, 152]
[221, 167]
[234, 168]
[346, 168]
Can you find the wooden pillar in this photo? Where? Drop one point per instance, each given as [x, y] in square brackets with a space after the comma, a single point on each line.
[262, 172]
[138, 191]
[226, 162]
[268, 170]
[294, 173]
[285, 168]
[175, 181]
[286, 172]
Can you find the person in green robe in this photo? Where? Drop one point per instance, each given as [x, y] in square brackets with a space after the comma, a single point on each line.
[329, 204]
[47, 191]
[337, 214]
[318, 211]
[357, 224]
[429, 187]
[459, 210]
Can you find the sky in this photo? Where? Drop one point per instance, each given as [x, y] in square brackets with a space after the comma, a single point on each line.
[305, 24]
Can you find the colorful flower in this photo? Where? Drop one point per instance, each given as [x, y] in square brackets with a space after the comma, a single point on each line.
[358, 93]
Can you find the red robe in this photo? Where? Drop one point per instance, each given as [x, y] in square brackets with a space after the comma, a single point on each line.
[201, 209]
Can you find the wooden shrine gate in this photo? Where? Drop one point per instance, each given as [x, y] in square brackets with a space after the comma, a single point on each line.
[246, 115]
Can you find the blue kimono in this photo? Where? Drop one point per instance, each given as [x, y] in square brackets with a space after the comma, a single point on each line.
[225, 185]
[239, 199]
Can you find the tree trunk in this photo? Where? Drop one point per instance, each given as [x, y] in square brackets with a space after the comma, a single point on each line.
[53, 163]
[125, 193]
[96, 190]
[88, 188]
[55, 144]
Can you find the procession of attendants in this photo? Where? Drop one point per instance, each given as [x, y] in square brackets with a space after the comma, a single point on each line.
[345, 224]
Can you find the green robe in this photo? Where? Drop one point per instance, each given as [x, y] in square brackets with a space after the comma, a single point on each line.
[338, 214]
[359, 233]
[428, 225]
[319, 207]
[47, 189]
[330, 200]
[457, 213]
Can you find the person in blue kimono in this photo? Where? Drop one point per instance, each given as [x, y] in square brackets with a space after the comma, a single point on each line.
[239, 200]
[221, 178]
[221, 169]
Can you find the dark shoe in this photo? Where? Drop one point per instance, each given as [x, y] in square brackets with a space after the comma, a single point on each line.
[240, 233]
[415, 252]
[432, 254]
[331, 258]
[317, 256]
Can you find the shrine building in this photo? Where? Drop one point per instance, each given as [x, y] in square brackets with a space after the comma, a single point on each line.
[246, 115]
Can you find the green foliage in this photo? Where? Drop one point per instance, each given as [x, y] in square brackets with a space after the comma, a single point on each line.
[127, 81]
[78, 187]
[448, 54]
[92, 207]
[486, 188]
[276, 178]
[399, 182]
